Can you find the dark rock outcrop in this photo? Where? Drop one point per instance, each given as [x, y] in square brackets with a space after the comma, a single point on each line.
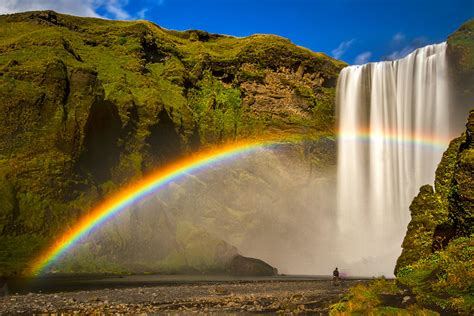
[244, 266]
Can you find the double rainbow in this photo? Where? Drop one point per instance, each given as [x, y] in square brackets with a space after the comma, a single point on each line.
[159, 179]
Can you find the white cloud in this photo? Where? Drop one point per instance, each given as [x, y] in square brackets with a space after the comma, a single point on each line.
[362, 58]
[113, 9]
[400, 53]
[342, 48]
[141, 14]
[116, 9]
[81, 8]
[398, 38]
[401, 46]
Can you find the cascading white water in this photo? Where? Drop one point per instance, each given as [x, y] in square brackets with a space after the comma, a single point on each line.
[390, 117]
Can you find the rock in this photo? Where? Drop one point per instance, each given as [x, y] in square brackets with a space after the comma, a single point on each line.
[407, 299]
[244, 266]
[219, 290]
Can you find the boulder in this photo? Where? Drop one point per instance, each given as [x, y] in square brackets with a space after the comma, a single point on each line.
[245, 266]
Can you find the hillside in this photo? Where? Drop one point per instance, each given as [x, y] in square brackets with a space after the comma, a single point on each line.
[88, 105]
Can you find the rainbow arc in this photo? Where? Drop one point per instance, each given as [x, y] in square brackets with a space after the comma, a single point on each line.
[161, 178]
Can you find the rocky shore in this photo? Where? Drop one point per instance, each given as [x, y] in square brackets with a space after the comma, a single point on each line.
[230, 297]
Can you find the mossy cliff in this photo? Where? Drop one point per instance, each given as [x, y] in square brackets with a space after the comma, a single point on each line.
[437, 262]
[461, 58]
[89, 104]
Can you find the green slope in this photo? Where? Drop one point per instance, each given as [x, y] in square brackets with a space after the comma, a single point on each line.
[89, 104]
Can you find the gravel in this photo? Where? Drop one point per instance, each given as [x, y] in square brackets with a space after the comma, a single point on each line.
[310, 297]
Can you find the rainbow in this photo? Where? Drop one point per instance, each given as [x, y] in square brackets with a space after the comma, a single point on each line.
[137, 191]
[162, 177]
[395, 137]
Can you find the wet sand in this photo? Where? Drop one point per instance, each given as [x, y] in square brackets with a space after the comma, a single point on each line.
[183, 295]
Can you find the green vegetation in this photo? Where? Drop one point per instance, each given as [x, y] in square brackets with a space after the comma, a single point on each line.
[444, 278]
[372, 299]
[88, 105]
[429, 209]
[441, 273]
[216, 109]
[462, 46]
[460, 54]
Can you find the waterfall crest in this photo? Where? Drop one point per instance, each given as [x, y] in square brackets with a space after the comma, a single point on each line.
[393, 120]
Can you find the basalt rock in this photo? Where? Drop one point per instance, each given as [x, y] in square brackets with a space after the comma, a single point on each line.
[244, 266]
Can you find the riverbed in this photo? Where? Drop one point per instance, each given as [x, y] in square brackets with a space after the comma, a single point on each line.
[177, 294]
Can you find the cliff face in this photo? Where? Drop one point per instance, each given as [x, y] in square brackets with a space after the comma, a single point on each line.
[461, 53]
[88, 105]
[438, 249]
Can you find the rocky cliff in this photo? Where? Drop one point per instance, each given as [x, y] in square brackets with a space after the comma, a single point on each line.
[438, 249]
[88, 105]
[436, 263]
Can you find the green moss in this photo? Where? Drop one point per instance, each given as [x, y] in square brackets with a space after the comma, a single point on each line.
[443, 274]
[444, 278]
[217, 110]
[444, 206]
[366, 299]
[462, 43]
[427, 212]
[8, 204]
[445, 169]
[56, 68]
[16, 253]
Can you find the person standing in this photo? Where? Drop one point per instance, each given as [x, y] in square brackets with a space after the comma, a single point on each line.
[335, 277]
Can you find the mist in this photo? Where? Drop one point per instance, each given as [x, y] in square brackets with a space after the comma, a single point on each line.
[275, 204]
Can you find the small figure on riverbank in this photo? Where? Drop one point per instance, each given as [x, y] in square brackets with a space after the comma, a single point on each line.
[335, 277]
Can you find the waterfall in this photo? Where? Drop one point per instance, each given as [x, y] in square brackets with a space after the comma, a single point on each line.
[393, 124]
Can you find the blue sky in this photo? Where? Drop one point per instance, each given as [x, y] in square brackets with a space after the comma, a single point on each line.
[354, 31]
